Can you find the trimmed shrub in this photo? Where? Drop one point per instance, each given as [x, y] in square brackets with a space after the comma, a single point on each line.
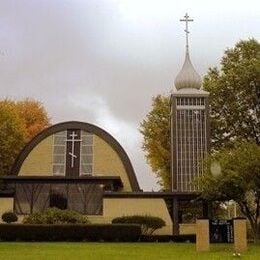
[148, 223]
[56, 216]
[184, 238]
[156, 238]
[68, 232]
[9, 217]
[167, 238]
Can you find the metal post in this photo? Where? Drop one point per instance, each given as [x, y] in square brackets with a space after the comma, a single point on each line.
[175, 216]
[205, 209]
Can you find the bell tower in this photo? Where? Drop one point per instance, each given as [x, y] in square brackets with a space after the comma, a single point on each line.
[189, 124]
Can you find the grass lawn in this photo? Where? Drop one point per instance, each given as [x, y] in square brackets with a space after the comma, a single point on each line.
[120, 251]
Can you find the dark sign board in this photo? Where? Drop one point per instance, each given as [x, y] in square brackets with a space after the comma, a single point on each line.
[221, 231]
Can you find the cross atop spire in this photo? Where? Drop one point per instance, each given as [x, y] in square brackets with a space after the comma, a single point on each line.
[187, 78]
[186, 20]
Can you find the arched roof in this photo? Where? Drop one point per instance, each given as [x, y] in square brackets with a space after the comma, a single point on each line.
[86, 127]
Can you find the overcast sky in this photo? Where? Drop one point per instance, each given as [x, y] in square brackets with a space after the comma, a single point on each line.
[102, 61]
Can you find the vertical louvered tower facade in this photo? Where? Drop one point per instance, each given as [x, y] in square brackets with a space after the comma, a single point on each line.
[189, 126]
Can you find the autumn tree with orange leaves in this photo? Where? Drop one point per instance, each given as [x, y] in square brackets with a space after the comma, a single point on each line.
[34, 115]
[20, 121]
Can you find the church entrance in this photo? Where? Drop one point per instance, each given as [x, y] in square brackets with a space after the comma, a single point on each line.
[58, 197]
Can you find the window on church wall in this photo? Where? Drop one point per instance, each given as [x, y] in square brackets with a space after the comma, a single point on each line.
[191, 101]
[86, 164]
[80, 159]
[31, 197]
[85, 198]
[41, 201]
[23, 199]
[59, 153]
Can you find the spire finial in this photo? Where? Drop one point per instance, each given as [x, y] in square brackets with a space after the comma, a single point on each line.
[186, 20]
[187, 77]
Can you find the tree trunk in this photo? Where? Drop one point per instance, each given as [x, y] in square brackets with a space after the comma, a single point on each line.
[253, 221]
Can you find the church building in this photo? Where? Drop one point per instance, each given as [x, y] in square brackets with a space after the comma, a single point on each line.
[79, 166]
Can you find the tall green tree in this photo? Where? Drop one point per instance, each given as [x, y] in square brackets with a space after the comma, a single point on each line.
[234, 174]
[234, 108]
[12, 137]
[235, 95]
[156, 132]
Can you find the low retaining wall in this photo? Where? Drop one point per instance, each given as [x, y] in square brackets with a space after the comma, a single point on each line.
[187, 229]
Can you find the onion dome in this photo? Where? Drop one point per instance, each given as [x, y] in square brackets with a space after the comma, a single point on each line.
[187, 77]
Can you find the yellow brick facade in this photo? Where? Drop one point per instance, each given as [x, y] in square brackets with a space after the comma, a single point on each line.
[240, 235]
[39, 161]
[117, 207]
[202, 235]
[187, 229]
[106, 161]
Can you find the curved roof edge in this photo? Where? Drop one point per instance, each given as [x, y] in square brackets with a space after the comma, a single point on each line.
[84, 126]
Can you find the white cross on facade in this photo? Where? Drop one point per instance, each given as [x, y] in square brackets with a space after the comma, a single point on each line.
[186, 20]
[72, 153]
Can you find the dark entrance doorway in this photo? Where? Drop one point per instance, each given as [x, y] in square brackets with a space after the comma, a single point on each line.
[58, 197]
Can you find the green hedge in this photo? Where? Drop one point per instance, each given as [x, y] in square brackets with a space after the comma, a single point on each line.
[184, 238]
[68, 232]
[56, 216]
[169, 238]
[148, 223]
